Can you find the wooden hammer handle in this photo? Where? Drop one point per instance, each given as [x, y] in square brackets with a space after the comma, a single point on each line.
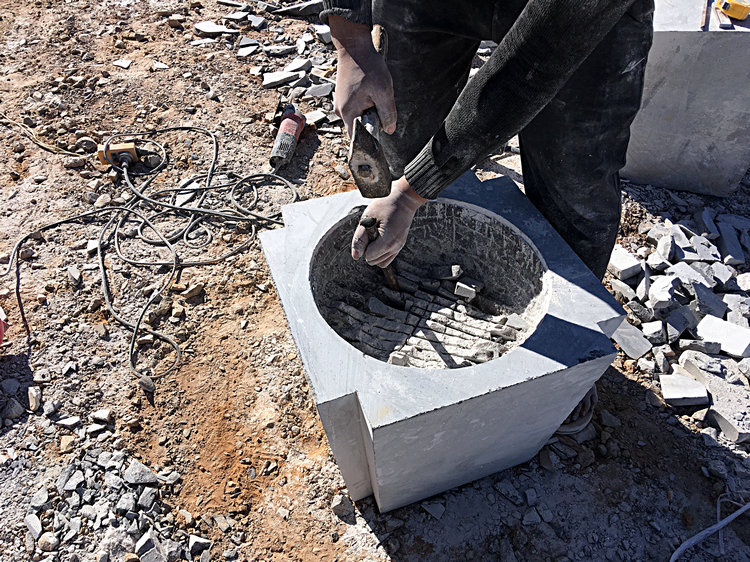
[371, 226]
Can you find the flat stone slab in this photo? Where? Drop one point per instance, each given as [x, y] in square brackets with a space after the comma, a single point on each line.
[403, 433]
[734, 340]
[681, 390]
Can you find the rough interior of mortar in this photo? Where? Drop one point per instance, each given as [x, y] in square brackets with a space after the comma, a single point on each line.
[426, 325]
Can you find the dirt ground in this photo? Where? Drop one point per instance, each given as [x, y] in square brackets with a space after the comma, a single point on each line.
[236, 419]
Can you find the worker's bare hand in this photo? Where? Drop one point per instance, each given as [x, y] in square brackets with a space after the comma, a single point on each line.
[363, 80]
[394, 214]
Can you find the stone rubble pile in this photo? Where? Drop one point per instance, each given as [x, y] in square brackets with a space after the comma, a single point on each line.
[301, 68]
[438, 319]
[687, 314]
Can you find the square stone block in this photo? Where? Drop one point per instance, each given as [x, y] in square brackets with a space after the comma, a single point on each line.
[405, 433]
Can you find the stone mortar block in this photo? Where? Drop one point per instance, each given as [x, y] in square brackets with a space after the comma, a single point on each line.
[403, 433]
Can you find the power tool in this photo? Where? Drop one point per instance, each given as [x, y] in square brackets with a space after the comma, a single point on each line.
[290, 128]
[735, 9]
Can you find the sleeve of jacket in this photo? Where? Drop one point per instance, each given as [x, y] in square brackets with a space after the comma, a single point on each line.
[535, 59]
[356, 11]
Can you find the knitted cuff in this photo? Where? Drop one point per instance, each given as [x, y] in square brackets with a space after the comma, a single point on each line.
[424, 176]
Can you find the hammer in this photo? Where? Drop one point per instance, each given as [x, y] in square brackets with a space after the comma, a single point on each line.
[371, 226]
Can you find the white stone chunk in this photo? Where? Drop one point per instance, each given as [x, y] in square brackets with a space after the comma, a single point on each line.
[623, 264]
[681, 390]
[734, 340]
[729, 245]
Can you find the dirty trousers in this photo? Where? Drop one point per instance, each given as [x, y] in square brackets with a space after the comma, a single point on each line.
[571, 151]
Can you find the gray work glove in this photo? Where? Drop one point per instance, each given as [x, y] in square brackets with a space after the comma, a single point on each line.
[394, 214]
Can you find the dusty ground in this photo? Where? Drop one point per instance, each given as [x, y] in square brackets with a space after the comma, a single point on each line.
[237, 418]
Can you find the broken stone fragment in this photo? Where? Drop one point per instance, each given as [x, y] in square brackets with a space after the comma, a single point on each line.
[708, 347]
[734, 340]
[279, 50]
[319, 90]
[398, 358]
[729, 245]
[654, 332]
[623, 264]
[211, 29]
[661, 292]
[139, 473]
[464, 291]
[245, 52]
[631, 340]
[705, 249]
[622, 291]
[729, 402]
[298, 64]
[323, 33]
[680, 389]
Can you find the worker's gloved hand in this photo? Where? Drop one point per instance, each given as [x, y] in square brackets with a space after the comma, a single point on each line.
[363, 80]
[394, 214]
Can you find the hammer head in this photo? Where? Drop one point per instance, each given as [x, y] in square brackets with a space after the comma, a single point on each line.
[367, 161]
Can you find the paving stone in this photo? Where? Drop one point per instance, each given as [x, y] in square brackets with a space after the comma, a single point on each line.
[661, 358]
[734, 340]
[323, 33]
[279, 50]
[729, 402]
[315, 117]
[725, 276]
[139, 473]
[661, 292]
[678, 321]
[729, 245]
[646, 365]
[623, 264]
[680, 389]
[273, 79]
[256, 22]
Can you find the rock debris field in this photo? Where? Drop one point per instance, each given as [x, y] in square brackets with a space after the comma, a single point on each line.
[226, 458]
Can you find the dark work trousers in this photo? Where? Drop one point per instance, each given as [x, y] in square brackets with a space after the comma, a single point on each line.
[571, 151]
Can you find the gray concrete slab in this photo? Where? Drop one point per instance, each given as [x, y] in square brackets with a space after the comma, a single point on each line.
[691, 133]
[405, 433]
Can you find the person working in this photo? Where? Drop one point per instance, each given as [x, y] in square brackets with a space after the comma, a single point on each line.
[566, 77]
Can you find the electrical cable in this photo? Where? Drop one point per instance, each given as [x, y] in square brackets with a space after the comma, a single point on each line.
[147, 208]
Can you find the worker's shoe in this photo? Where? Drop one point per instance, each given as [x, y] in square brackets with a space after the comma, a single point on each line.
[581, 415]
